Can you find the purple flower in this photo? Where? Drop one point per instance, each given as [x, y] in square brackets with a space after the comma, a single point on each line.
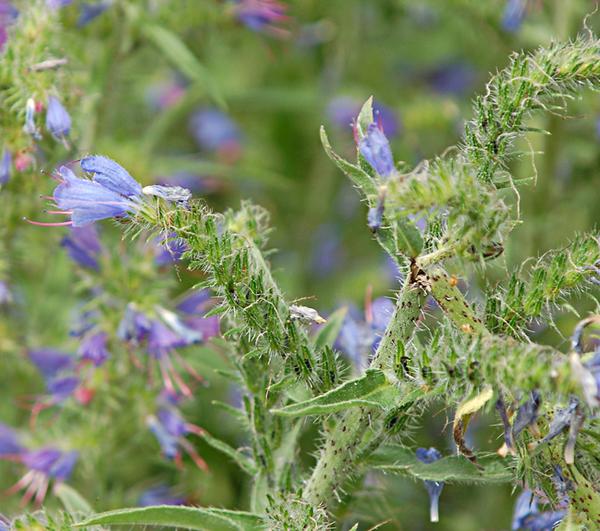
[170, 429]
[159, 495]
[434, 488]
[51, 462]
[173, 422]
[9, 442]
[359, 337]
[57, 4]
[451, 78]
[375, 148]
[375, 215]
[90, 11]
[207, 327]
[261, 15]
[44, 465]
[8, 13]
[5, 166]
[527, 414]
[342, 111]
[58, 121]
[514, 14]
[214, 130]
[165, 94]
[134, 326]
[161, 339]
[111, 175]
[526, 516]
[111, 193]
[51, 362]
[93, 348]
[83, 246]
[196, 302]
[327, 252]
[61, 388]
[5, 293]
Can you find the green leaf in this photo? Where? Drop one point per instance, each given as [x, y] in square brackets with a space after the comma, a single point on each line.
[453, 303]
[358, 176]
[584, 499]
[373, 389]
[408, 237]
[364, 118]
[571, 522]
[328, 333]
[182, 58]
[183, 517]
[72, 501]
[400, 460]
[243, 461]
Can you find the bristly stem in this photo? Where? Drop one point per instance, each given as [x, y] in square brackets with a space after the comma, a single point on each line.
[339, 450]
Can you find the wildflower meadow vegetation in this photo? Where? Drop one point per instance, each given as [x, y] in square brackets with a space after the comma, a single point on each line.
[299, 265]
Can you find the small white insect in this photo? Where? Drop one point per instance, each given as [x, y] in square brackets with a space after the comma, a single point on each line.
[305, 314]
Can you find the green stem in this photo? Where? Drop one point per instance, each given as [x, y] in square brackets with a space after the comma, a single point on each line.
[339, 451]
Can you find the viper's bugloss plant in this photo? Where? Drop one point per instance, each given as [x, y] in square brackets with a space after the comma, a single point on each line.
[170, 351]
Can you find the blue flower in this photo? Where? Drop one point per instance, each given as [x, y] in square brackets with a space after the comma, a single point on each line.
[5, 293]
[161, 339]
[170, 430]
[434, 488]
[359, 338]
[45, 465]
[57, 4]
[58, 121]
[196, 302]
[526, 516]
[5, 166]
[514, 14]
[527, 414]
[93, 348]
[9, 442]
[83, 246]
[261, 15]
[134, 326]
[159, 495]
[90, 11]
[214, 130]
[451, 78]
[112, 192]
[61, 388]
[111, 175]
[51, 362]
[375, 148]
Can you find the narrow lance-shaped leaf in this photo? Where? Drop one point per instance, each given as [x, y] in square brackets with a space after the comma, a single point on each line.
[330, 330]
[73, 502]
[373, 389]
[199, 518]
[400, 460]
[243, 461]
[357, 175]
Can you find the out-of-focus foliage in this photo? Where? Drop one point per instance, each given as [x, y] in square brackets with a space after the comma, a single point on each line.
[200, 94]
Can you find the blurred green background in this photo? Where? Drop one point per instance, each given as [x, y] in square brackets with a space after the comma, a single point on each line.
[423, 61]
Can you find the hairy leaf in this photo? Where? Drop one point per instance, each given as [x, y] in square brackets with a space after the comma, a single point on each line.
[373, 389]
[183, 517]
[400, 460]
